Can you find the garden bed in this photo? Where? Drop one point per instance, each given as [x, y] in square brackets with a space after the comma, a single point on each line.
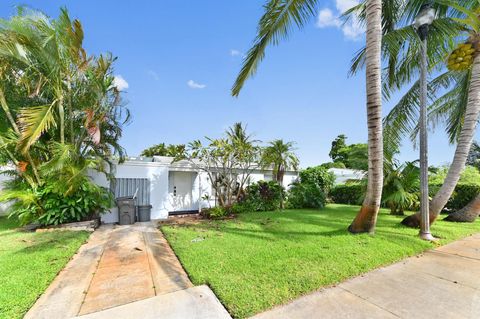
[89, 225]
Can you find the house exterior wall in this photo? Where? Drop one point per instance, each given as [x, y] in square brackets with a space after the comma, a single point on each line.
[342, 175]
[4, 206]
[161, 192]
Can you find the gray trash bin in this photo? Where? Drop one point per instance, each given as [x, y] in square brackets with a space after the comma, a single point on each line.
[144, 213]
[126, 210]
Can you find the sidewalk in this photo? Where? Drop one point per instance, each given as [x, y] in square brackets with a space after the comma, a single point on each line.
[442, 283]
[123, 265]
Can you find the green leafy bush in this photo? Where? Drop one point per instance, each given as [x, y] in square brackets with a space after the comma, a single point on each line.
[319, 176]
[469, 176]
[306, 195]
[461, 196]
[242, 207]
[49, 205]
[351, 194]
[264, 196]
[215, 212]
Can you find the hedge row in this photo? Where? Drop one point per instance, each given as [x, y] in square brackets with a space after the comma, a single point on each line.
[352, 194]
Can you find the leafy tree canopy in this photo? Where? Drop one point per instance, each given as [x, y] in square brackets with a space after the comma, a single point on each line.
[470, 175]
[172, 150]
[354, 156]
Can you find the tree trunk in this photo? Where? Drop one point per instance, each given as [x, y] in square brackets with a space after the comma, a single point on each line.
[61, 115]
[468, 214]
[10, 118]
[461, 153]
[280, 174]
[367, 217]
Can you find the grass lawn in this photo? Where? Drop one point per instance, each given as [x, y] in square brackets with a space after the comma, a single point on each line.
[260, 260]
[29, 262]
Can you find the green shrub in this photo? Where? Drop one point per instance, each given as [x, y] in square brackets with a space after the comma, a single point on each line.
[351, 194]
[264, 196]
[306, 195]
[319, 176]
[242, 207]
[215, 212]
[461, 196]
[48, 205]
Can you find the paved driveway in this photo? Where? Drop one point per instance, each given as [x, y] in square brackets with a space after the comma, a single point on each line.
[123, 265]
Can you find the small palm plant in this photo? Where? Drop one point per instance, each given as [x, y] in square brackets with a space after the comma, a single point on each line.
[401, 188]
[281, 156]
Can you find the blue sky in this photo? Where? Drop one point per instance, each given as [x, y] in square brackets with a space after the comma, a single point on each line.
[180, 59]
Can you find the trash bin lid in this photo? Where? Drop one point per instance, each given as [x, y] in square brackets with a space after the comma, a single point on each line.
[125, 197]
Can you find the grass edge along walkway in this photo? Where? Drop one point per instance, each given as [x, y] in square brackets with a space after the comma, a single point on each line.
[260, 260]
[29, 262]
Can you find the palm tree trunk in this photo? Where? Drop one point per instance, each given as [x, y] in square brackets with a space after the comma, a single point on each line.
[461, 153]
[468, 214]
[10, 118]
[367, 217]
[61, 114]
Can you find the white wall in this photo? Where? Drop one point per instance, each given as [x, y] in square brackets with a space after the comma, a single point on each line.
[342, 175]
[160, 192]
[3, 206]
[158, 176]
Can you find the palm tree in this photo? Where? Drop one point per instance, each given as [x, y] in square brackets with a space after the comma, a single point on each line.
[50, 56]
[468, 127]
[280, 155]
[401, 188]
[274, 25]
[366, 219]
[400, 47]
[468, 214]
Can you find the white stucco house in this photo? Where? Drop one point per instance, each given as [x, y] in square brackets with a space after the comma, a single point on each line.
[343, 175]
[171, 188]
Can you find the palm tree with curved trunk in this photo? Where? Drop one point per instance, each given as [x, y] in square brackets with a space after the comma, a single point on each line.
[471, 21]
[275, 24]
[281, 156]
[456, 106]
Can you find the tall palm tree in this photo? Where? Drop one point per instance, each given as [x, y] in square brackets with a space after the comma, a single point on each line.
[281, 156]
[400, 47]
[471, 22]
[366, 219]
[274, 25]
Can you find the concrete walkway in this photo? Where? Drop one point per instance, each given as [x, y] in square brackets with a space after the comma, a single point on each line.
[442, 283]
[123, 265]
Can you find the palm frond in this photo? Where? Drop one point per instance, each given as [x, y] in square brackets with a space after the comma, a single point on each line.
[34, 121]
[275, 25]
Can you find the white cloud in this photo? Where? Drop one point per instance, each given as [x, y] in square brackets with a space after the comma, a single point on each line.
[153, 74]
[194, 85]
[344, 5]
[352, 29]
[327, 19]
[120, 82]
[234, 52]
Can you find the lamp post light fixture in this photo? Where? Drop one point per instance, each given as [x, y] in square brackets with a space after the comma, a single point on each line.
[422, 24]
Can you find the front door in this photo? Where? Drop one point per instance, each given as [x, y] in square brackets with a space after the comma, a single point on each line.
[181, 185]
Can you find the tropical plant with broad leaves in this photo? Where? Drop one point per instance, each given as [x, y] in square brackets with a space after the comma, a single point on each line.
[63, 112]
[401, 188]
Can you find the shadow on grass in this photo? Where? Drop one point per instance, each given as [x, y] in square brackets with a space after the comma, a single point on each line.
[294, 225]
[48, 241]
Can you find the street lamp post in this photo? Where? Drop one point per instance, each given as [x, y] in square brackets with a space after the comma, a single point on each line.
[422, 23]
